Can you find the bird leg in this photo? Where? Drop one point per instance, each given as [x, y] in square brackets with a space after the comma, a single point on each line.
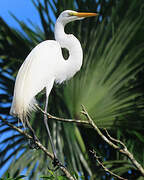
[56, 162]
[32, 142]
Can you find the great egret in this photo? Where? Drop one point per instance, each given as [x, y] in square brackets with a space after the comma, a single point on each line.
[46, 65]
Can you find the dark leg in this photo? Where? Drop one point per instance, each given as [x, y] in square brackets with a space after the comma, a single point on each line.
[56, 162]
[32, 143]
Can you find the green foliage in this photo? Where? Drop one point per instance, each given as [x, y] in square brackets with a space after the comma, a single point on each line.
[110, 85]
[52, 176]
[7, 177]
[103, 84]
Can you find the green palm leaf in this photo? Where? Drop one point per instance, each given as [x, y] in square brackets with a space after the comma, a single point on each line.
[103, 85]
[106, 85]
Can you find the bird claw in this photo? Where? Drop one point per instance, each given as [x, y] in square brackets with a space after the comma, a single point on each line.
[33, 144]
[55, 163]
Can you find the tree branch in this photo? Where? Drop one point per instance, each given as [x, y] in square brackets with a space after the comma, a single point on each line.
[90, 122]
[122, 150]
[65, 171]
[105, 168]
[79, 122]
[110, 140]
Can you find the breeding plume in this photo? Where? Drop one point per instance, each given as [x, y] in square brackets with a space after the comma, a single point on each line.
[45, 66]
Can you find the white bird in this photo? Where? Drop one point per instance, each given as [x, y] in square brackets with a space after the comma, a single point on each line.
[45, 66]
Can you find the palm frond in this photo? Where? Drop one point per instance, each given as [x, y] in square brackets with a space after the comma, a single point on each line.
[103, 85]
[108, 84]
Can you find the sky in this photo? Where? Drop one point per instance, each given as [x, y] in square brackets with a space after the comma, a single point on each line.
[23, 10]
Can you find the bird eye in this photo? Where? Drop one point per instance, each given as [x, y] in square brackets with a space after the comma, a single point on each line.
[70, 14]
[66, 15]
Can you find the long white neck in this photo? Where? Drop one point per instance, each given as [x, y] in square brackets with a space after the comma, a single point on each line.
[72, 44]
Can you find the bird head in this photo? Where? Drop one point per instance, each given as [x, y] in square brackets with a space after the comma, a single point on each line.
[69, 16]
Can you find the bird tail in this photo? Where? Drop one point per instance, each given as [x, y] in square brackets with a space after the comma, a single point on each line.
[22, 108]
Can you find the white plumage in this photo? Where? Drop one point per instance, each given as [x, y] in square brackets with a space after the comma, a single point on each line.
[46, 65]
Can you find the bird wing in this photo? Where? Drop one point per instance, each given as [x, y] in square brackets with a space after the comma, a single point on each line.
[37, 71]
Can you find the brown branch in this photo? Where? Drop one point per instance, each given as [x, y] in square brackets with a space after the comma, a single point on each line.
[65, 171]
[90, 122]
[126, 152]
[123, 150]
[115, 140]
[79, 122]
[105, 168]
[93, 125]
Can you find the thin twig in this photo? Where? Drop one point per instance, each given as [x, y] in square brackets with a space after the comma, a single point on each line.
[79, 122]
[93, 125]
[38, 143]
[90, 122]
[105, 168]
[115, 140]
[123, 150]
[126, 152]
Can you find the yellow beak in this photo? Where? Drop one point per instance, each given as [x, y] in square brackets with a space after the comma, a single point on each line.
[83, 14]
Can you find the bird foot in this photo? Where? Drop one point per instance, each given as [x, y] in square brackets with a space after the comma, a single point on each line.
[33, 144]
[56, 164]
